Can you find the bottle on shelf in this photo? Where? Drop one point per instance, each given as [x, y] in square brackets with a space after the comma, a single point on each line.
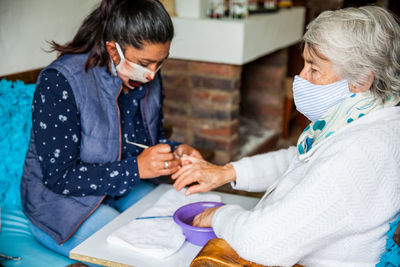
[270, 5]
[238, 9]
[254, 5]
[216, 9]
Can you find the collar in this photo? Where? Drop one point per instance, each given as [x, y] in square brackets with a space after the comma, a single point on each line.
[386, 114]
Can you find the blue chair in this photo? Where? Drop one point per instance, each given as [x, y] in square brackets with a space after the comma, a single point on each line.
[16, 239]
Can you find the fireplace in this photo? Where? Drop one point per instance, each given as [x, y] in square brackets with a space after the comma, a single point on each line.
[224, 81]
[230, 109]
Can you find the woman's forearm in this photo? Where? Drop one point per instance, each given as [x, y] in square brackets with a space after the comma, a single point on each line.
[229, 174]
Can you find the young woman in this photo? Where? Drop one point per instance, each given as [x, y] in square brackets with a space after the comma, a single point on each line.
[91, 108]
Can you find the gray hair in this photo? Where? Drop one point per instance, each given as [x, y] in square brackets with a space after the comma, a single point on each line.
[359, 41]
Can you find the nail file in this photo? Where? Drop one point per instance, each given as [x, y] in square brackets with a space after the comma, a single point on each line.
[136, 144]
[153, 217]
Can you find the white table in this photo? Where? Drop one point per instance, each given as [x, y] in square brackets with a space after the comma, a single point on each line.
[95, 249]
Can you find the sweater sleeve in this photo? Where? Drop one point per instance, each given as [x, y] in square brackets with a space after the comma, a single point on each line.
[257, 173]
[57, 130]
[309, 216]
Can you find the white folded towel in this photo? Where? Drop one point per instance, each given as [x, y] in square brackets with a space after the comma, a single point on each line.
[158, 237]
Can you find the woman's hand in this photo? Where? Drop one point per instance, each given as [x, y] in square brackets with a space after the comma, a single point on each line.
[151, 162]
[204, 219]
[209, 176]
[188, 151]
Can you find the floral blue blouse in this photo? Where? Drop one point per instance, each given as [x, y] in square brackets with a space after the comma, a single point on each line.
[57, 129]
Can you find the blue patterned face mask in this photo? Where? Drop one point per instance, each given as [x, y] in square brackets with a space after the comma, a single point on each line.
[314, 100]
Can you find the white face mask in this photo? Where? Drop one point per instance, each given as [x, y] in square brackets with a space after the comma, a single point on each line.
[314, 100]
[131, 73]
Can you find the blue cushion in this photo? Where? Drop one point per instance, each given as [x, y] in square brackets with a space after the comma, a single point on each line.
[17, 240]
[15, 124]
[391, 258]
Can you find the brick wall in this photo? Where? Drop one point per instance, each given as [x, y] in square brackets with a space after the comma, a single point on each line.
[204, 100]
[202, 104]
[262, 91]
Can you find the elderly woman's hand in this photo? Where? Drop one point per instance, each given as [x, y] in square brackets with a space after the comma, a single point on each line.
[204, 219]
[207, 175]
[184, 149]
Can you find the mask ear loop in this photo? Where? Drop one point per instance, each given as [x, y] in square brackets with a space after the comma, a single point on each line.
[119, 50]
[113, 68]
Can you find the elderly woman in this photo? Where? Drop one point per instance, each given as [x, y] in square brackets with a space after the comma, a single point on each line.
[330, 199]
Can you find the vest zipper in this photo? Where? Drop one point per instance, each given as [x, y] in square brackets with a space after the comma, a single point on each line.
[119, 124]
[145, 117]
[119, 158]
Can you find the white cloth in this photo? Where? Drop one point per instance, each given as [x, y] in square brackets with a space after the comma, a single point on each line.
[159, 237]
[329, 207]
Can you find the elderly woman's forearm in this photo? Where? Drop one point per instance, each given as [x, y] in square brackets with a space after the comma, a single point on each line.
[229, 173]
[257, 173]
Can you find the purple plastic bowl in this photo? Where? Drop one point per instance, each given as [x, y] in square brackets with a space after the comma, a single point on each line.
[184, 217]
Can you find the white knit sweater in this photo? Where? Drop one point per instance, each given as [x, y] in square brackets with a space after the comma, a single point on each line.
[329, 207]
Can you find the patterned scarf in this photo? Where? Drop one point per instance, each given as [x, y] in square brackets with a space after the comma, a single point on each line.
[337, 117]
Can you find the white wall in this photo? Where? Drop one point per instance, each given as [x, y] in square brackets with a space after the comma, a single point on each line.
[26, 25]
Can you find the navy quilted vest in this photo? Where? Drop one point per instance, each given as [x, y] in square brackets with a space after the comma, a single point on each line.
[96, 93]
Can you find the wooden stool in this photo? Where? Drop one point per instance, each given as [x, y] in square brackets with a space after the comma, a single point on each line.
[396, 236]
[218, 253]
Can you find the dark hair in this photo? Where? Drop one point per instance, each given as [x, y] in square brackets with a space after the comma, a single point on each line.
[128, 22]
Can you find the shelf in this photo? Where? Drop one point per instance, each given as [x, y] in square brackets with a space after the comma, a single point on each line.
[236, 42]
